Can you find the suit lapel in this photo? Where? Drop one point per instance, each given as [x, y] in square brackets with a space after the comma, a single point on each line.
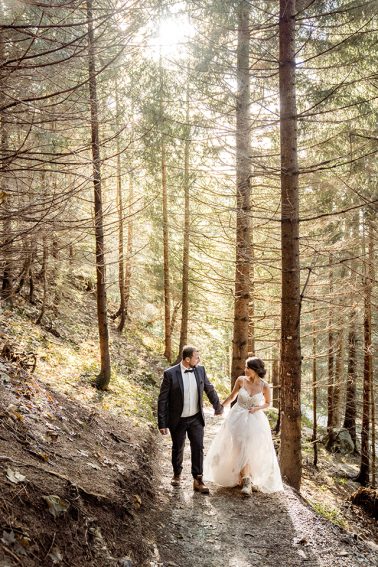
[179, 379]
[196, 374]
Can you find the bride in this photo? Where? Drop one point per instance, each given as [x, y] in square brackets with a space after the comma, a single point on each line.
[243, 451]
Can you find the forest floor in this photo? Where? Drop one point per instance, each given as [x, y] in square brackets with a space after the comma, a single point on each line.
[76, 464]
[269, 530]
[85, 477]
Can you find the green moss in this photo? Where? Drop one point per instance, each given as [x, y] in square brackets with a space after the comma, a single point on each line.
[329, 513]
[340, 480]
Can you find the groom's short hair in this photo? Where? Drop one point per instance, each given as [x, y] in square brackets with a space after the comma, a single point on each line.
[187, 351]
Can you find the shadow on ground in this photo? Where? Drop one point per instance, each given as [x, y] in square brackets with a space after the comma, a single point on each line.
[226, 529]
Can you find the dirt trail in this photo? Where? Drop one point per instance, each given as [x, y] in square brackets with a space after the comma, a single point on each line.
[227, 530]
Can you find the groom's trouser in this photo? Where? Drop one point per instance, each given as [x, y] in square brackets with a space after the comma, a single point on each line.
[194, 428]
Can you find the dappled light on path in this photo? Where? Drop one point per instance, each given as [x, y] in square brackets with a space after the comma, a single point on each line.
[227, 530]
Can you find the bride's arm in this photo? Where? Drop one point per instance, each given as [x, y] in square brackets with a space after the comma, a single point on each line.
[234, 392]
[268, 399]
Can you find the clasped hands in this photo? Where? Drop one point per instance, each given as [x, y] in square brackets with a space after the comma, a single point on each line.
[220, 410]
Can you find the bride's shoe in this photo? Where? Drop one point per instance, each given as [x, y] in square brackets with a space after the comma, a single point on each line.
[246, 486]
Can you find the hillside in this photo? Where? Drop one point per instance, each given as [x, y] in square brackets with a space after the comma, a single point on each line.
[85, 476]
[76, 464]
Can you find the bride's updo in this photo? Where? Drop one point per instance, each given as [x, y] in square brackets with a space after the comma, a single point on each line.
[257, 365]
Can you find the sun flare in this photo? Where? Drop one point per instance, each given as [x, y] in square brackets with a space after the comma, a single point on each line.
[171, 38]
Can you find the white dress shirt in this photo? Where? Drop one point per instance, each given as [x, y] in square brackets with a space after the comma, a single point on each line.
[191, 406]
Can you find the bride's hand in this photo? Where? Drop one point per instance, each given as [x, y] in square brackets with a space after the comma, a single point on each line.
[253, 410]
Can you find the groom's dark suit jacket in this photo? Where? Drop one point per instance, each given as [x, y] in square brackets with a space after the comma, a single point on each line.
[171, 397]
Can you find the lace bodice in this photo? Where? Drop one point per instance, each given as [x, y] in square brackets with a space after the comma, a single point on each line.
[246, 401]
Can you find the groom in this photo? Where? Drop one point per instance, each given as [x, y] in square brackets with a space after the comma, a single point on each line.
[180, 410]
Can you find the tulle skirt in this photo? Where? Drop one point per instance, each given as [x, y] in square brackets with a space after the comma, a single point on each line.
[244, 438]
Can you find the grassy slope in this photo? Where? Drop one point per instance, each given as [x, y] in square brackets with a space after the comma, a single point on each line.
[69, 363]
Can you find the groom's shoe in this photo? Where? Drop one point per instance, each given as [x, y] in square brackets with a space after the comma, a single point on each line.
[199, 486]
[176, 480]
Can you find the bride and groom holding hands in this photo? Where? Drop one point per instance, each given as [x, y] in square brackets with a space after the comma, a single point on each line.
[242, 452]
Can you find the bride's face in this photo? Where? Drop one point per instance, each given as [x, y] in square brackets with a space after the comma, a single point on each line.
[250, 373]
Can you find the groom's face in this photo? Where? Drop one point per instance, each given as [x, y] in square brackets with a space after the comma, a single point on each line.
[194, 359]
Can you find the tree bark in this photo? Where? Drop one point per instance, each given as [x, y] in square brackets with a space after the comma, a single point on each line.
[371, 365]
[103, 378]
[55, 276]
[6, 268]
[166, 270]
[350, 404]
[276, 379]
[331, 354]
[185, 254]
[121, 263]
[130, 245]
[28, 254]
[364, 472]
[43, 276]
[336, 417]
[243, 190]
[314, 397]
[290, 451]
[251, 314]
[167, 287]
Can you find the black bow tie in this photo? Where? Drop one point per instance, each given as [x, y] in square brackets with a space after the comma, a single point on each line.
[189, 370]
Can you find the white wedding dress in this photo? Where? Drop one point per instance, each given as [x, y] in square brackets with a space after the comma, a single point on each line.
[244, 438]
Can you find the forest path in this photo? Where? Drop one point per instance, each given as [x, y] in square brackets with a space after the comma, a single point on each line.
[226, 530]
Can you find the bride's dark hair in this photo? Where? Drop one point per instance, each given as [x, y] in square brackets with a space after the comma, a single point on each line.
[257, 365]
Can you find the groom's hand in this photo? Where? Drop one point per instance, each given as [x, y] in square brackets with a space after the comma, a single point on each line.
[220, 410]
[164, 431]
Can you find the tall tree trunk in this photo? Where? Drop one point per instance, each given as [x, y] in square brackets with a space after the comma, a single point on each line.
[314, 397]
[167, 287]
[71, 255]
[55, 276]
[56, 263]
[371, 366]
[185, 254]
[364, 472]
[121, 268]
[331, 353]
[6, 268]
[43, 276]
[251, 314]
[175, 311]
[243, 190]
[290, 451]
[276, 395]
[31, 286]
[336, 418]
[28, 253]
[373, 435]
[350, 404]
[103, 378]
[130, 245]
[276, 378]
[166, 270]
